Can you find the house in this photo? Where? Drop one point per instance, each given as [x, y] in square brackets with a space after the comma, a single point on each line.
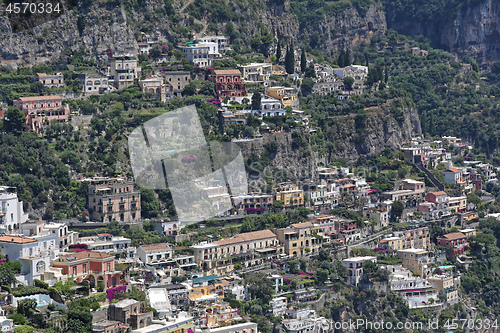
[413, 238]
[178, 294]
[168, 228]
[214, 315]
[278, 305]
[468, 232]
[123, 71]
[62, 236]
[253, 203]
[34, 255]
[96, 268]
[235, 285]
[6, 325]
[234, 118]
[42, 110]
[287, 96]
[94, 83]
[228, 83]
[144, 48]
[456, 242]
[207, 293]
[108, 243]
[11, 210]
[181, 322]
[128, 312]
[457, 204]
[300, 238]
[289, 194]
[436, 205]
[256, 71]
[415, 260]
[448, 284]
[415, 290]
[453, 176]
[202, 53]
[155, 87]
[156, 255]
[222, 42]
[50, 80]
[354, 268]
[113, 199]
[178, 80]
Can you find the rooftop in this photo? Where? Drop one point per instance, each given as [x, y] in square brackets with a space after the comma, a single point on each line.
[83, 255]
[155, 247]
[453, 235]
[227, 72]
[247, 237]
[39, 98]
[16, 239]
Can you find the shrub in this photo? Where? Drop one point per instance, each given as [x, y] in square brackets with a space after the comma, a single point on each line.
[18, 319]
[41, 284]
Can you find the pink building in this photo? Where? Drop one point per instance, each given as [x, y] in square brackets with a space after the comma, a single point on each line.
[42, 110]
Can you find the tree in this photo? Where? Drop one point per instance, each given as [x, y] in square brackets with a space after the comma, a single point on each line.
[256, 99]
[348, 82]
[278, 52]
[24, 329]
[7, 276]
[14, 120]
[307, 84]
[340, 59]
[473, 199]
[303, 60]
[189, 90]
[26, 306]
[322, 275]
[310, 72]
[397, 210]
[19, 319]
[208, 89]
[290, 60]
[155, 51]
[347, 58]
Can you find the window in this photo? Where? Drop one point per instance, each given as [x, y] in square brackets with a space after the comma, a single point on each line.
[40, 267]
[74, 270]
[85, 268]
[108, 266]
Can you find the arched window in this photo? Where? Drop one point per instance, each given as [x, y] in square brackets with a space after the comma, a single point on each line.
[40, 267]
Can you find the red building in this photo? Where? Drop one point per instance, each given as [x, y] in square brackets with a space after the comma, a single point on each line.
[94, 267]
[457, 240]
[42, 110]
[228, 83]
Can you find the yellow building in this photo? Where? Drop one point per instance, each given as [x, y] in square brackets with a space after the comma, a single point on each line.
[290, 195]
[155, 87]
[457, 203]
[418, 238]
[287, 96]
[468, 232]
[209, 293]
[447, 284]
[300, 238]
[415, 260]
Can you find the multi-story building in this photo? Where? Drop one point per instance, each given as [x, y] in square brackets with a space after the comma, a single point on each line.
[108, 243]
[290, 195]
[178, 80]
[457, 204]
[95, 267]
[201, 54]
[155, 87]
[448, 284]
[414, 238]
[234, 118]
[436, 205]
[33, 254]
[42, 110]
[156, 255]
[287, 96]
[222, 42]
[455, 242]
[94, 83]
[253, 203]
[168, 228]
[408, 191]
[354, 268]
[415, 260]
[235, 285]
[256, 71]
[63, 237]
[11, 210]
[178, 294]
[228, 83]
[113, 199]
[214, 315]
[123, 71]
[50, 80]
[278, 305]
[207, 293]
[128, 311]
[109, 326]
[300, 238]
[453, 176]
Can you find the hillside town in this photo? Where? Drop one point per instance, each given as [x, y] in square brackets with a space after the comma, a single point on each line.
[86, 246]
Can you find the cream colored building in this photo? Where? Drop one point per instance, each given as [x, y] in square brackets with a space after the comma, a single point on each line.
[154, 86]
[416, 261]
[290, 195]
[256, 71]
[300, 238]
[124, 72]
[287, 96]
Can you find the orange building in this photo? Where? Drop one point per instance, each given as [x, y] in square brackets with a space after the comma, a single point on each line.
[94, 267]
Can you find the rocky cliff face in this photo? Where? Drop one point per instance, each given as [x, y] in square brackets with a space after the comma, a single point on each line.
[474, 31]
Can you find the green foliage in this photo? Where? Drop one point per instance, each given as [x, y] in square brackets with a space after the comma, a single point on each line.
[14, 120]
[7, 276]
[19, 319]
[256, 101]
[290, 60]
[24, 329]
[26, 306]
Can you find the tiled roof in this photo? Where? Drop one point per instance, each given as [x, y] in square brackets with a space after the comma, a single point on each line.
[454, 235]
[83, 255]
[155, 247]
[302, 225]
[227, 72]
[246, 237]
[39, 98]
[439, 193]
[16, 239]
[452, 170]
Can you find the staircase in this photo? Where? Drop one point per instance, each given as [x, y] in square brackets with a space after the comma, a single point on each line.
[433, 179]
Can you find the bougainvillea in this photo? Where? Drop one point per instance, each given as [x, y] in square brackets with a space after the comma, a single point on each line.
[112, 293]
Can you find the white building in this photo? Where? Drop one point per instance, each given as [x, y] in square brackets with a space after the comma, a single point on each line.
[355, 268]
[235, 285]
[278, 306]
[7, 325]
[201, 54]
[34, 255]
[248, 327]
[63, 237]
[159, 300]
[11, 210]
[108, 243]
[155, 254]
[222, 42]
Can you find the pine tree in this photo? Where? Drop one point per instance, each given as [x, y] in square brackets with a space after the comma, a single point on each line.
[340, 59]
[386, 75]
[289, 60]
[303, 61]
[278, 52]
[347, 58]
